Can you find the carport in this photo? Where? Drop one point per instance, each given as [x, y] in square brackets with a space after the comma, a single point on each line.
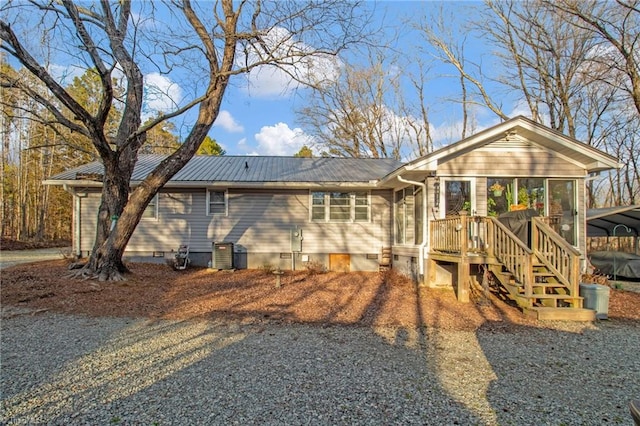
[621, 221]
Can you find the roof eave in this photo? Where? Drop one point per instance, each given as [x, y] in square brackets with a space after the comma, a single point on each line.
[602, 165]
[226, 184]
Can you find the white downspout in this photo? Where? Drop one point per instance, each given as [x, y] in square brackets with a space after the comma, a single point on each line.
[424, 222]
[75, 219]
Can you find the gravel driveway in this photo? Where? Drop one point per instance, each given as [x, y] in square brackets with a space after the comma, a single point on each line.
[10, 258]
[61, 369]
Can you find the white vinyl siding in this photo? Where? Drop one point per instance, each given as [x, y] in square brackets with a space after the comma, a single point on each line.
[340, 207]
[258, 221]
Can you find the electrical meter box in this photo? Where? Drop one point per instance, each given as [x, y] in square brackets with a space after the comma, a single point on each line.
[296, 240]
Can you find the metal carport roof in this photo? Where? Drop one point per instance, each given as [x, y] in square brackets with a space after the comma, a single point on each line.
[611, 221]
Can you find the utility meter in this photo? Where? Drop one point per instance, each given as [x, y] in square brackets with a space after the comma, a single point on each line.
[296, 239]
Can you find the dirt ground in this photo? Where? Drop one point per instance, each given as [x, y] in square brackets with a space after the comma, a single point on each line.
[157, 291]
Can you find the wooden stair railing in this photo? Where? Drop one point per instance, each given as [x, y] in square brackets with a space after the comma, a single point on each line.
[545, 275]
[516, 257]
[445, 235]
[556, 254]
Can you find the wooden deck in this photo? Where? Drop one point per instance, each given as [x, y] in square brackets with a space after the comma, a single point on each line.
[542, 278]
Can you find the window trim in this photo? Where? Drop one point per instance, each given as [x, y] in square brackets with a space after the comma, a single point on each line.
[226, 202]
[326, 206]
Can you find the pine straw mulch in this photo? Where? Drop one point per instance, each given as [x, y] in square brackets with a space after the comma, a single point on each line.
[370, 299]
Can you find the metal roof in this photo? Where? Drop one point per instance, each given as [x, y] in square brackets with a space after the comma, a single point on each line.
[254, 169]
[611, 221]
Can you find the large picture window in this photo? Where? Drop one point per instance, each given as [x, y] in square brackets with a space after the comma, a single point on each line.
[507, 194]
[216, 203]
[340, 207]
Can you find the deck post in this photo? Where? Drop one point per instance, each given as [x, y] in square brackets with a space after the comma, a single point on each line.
[534, 235]
[491, 239]
[463, 266]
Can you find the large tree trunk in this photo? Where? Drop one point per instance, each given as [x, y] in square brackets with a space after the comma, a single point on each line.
[105, 261]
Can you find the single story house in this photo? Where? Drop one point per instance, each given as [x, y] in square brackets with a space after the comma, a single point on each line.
[433, 214]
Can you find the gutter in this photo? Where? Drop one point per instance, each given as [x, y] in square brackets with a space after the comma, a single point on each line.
[422, 246]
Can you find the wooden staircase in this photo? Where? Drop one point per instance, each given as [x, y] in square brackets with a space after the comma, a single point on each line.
[544, 279]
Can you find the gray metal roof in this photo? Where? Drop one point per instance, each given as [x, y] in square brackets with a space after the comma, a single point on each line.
[613, 221]
[253, 169]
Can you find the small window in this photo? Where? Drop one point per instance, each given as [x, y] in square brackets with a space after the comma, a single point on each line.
[151, 212]
[216, 203]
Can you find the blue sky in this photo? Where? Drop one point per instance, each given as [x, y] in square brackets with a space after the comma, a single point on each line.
[258, 111]
[262, 121]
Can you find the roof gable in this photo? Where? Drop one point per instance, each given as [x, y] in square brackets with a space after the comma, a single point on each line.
[520, 133]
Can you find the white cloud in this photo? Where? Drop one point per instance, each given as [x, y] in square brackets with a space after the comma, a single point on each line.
[281, 140]
[296, 65]
[226, 121]
[161, 94]
[268, 82]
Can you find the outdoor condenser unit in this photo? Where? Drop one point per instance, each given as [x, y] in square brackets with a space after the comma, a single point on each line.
[222, 256]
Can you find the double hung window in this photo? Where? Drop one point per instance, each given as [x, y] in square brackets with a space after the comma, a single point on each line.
[216, 203]
[340, 206]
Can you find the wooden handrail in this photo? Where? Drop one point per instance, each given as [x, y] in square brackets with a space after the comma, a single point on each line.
[557, 254]
[484, 235]
[465, 235]
[516, 257]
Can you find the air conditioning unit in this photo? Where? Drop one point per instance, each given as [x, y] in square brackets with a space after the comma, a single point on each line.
[222, 256]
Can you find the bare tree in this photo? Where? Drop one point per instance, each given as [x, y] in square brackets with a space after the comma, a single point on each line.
[615, 25]
[570, 63]
[350, 117]
[419, 125]
[448, 48]
[363, 113]
[229, 39]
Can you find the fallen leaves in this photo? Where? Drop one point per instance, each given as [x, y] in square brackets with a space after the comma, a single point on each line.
[359, 298]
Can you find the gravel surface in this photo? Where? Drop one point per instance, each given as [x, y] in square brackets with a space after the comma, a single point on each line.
[75, 370]
[17, 257]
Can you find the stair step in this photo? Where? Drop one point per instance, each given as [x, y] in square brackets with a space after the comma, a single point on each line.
[549, 285]
[561, 314]
[554, 296]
